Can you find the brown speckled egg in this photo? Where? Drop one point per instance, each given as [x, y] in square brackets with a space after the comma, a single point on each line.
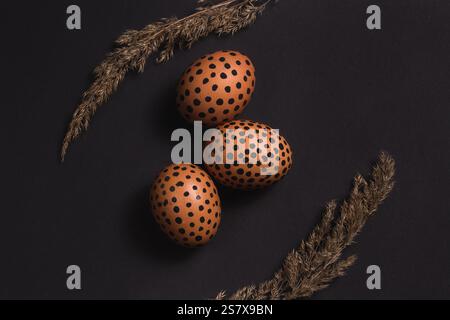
[216, 88]
[186, 205]
[245, 170]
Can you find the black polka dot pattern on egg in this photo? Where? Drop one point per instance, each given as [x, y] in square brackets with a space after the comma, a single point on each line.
[248, 175]
[179, 207]
[216, 81]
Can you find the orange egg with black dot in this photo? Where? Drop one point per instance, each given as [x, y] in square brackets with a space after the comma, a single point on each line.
[186, 204]
[258, 156]
[216, 88]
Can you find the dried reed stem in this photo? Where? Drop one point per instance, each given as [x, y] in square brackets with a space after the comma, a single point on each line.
[135, 46]
[318, 260]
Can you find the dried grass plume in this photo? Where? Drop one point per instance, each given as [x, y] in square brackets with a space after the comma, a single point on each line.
[318, 260]
[135, 46]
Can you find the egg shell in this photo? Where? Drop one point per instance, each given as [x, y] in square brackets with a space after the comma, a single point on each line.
[216, 88]
[248, 175]
[186, 204]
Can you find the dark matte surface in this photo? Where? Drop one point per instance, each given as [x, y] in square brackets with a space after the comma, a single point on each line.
[338, 92]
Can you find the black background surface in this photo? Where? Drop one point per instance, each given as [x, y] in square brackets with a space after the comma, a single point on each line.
[338, 92]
